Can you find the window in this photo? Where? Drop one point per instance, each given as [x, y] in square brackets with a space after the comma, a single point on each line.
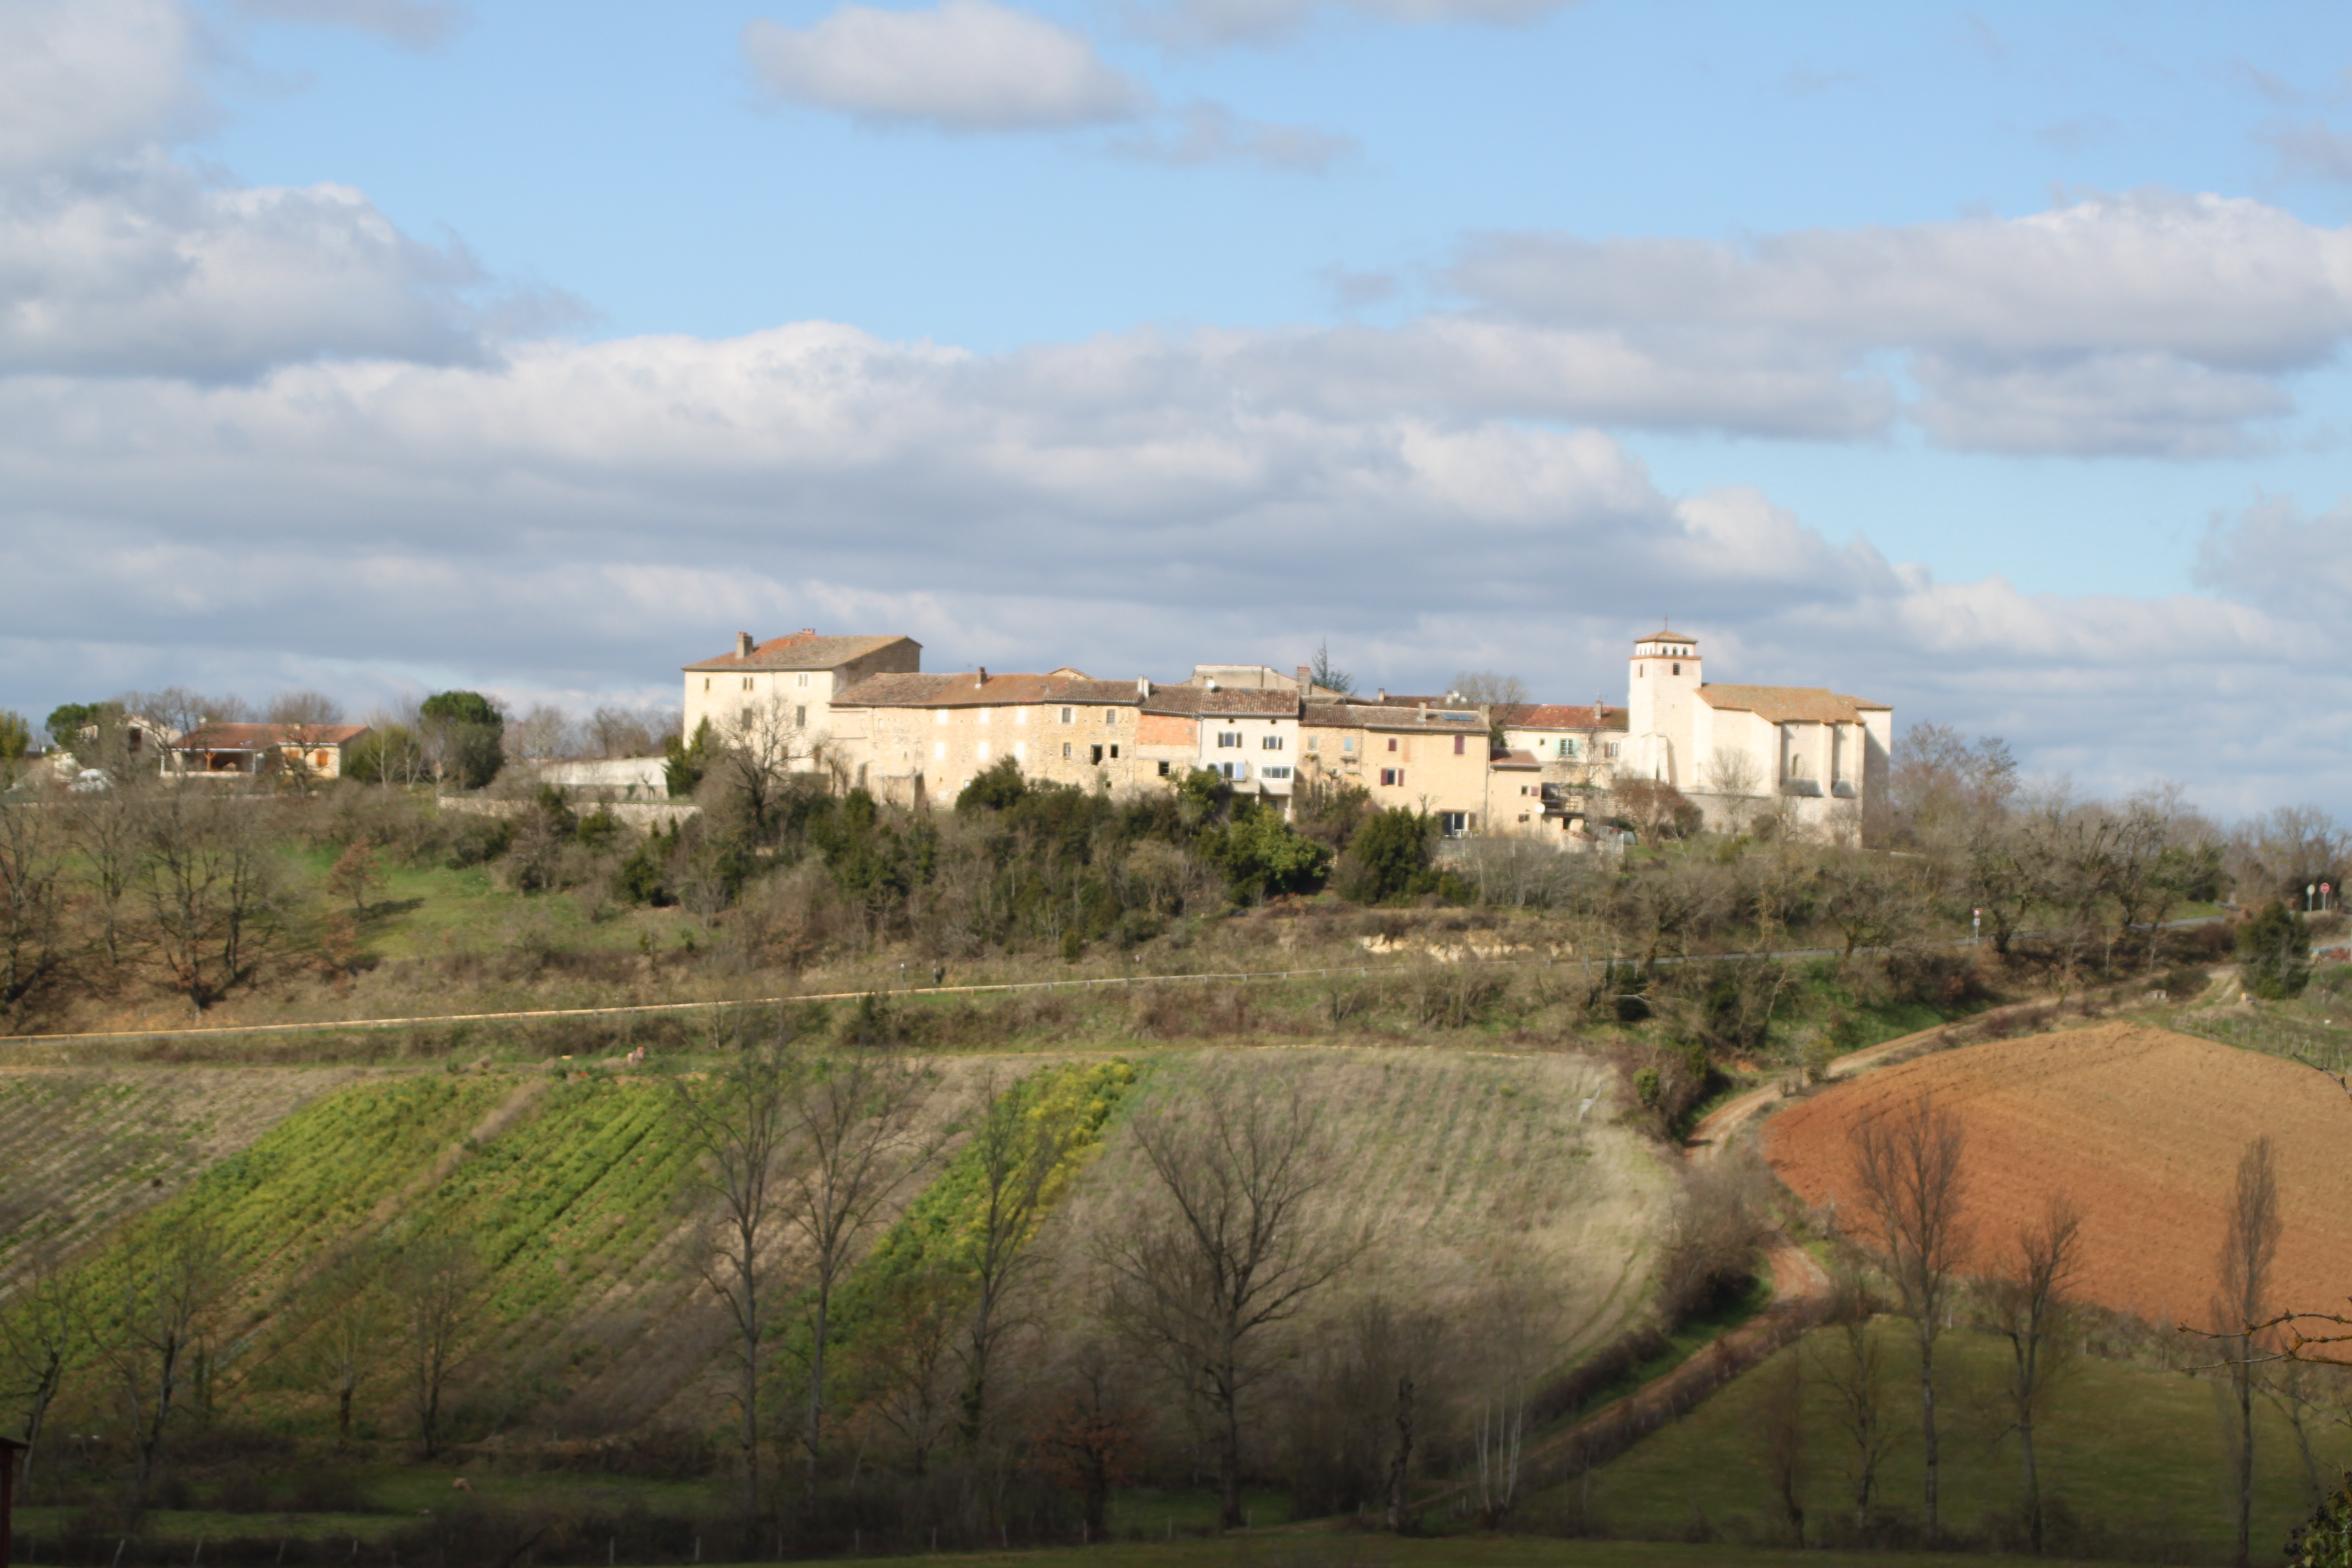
[1231, 770]
[1114, 751]
[803, 681]
[1453, 824]
[1094, 754]
[1678, 669]
[1460, 741]
[1270, 743]
[1065, 751]
[1110, 715]
[1021, 718]
[800, 716]
[1274, 772]
[747, 683]
[1314, 743]
[1229, 740]
[1612, 750]
[1347, 743]
[1392, 776]
[1567, 745]
[706, 683]
[1163, 770]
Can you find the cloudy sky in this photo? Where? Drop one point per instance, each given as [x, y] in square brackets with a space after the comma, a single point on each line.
[1987, 361]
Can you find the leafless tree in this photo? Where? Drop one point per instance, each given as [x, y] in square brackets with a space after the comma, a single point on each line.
[762, 748]
[541, 733]
[1229, 1255]
[1908, 1162]
[311, 709]
[913, 1346]
[175, 1285]
[107, 829]
[854, 1121]
[2249, 1248]
[180, 710]
[1510, 1326]
[616, 732]
[436, 1287]
[739, 1122]
[2030, 1310]
[1731, 772]
[1019, 1150]
[1851, 1364]
[1944, 785]
[211, 885]
[1780, 1437]
[45, 1331]
[352, 1327]
[33, 945]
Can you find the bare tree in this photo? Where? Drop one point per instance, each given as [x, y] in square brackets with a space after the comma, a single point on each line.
[1908, 1163]
[2249, 1247]
[616, 732]
[1092, 1430]
[310, 709]
[1511, 1332]
[763, 746]
[45, 1331]
[1732, 772]
[1230, 1253]
[1854, 1369]
[211, 885]
[1780, 1437]
[353, 1325]
[1019, 1150]
[437, 1287]
[854, 1120]
[541, 734]
[2030, 1311]
[170, 1293]
[738, 1123]
[33, 947]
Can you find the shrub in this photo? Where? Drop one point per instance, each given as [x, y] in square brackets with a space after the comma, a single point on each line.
[2274, 953]
[1389, 857]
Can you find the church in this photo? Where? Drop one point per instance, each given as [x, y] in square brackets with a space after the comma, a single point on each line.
[1817, 757]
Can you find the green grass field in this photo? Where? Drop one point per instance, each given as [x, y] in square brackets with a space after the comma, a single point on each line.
[2134, 1453]
[1342, 1550]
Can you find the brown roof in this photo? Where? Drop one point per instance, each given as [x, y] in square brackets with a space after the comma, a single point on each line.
[260, 737]
[1515, 761]
[1560, 716]
[1790, 704]
[1396, 699]
[1373, 716]
[1669, 635]
[800, 651]
[1233, 702]
[969, 689]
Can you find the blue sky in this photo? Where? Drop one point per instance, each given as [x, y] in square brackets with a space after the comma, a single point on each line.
[1987, 360]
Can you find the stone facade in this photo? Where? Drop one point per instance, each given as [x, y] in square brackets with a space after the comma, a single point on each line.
[786, 686]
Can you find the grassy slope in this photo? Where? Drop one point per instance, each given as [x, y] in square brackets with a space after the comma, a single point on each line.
[1486, 1551]
[2134, 1452]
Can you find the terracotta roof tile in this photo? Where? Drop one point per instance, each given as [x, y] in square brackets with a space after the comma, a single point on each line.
[1236, 702]
[966, 689]
[800, 651]
[256, 737]
[1790, 704]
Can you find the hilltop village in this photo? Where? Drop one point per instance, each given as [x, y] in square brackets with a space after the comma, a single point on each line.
[863, 709]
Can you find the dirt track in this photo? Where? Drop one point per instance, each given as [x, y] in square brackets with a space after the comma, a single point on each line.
[2142, 1128]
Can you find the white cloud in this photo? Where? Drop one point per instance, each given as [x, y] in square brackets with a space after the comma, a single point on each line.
[147, 270]
[1212, 23]
[963, 65]
[2276, 555]
[2148, 323]
[90, 79]
[1209, 133]
[418, 24]
[2313, 149]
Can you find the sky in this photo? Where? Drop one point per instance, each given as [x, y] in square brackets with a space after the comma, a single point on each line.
[1984, 361]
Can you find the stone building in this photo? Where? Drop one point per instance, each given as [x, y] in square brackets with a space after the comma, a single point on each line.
[783, 689]
[917, 738]
[1420, 758]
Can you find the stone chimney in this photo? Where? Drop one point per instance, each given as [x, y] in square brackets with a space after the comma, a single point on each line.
[981, 678]
[808, 631]
[743, 645]
[1306, 679]
[1380, 694]
[1142, 686]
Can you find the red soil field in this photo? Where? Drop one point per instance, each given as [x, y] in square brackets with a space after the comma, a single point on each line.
[2143, 1128]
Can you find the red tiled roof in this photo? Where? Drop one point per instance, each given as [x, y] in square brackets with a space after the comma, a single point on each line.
[1790, 704]
[1232, 702]
[1559, 716]
[800, 651]
[260, 737]
[1515, 761]
[966, 689]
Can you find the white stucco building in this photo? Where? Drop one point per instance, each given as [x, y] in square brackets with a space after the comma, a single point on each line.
[788, 683]
[1817, 755]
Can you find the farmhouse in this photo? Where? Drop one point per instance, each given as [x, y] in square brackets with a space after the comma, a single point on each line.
[914, 738]
[236, 750]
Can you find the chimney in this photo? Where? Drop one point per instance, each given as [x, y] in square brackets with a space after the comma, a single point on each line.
[1380, 694]
[1142, 686]
[982, 678]
[743, 645]
[808, 631]
[1306, 679]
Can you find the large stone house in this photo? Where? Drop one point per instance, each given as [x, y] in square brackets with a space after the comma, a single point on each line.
[782, 690]
[918, 738]
[1249, 736]
[1421, 758]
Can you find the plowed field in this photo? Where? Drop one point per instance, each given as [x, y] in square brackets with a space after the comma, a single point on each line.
[2143, 1127]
